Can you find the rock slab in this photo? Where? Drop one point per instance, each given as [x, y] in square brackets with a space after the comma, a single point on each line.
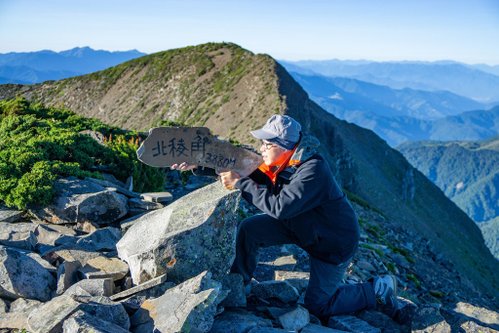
[193, 234]
[190, 306]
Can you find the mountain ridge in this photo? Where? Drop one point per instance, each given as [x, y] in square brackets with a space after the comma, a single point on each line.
[468, 173]
[400, 115]
[449, 164]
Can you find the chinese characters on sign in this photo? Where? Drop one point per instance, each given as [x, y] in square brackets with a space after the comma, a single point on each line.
[177, 148]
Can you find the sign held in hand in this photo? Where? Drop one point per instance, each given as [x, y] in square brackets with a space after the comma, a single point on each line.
[166, 146]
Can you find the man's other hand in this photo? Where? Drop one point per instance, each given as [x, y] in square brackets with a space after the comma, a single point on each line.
[229, 179]
[183, 166]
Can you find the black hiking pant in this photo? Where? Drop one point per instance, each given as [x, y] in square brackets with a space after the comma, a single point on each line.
[326, 295]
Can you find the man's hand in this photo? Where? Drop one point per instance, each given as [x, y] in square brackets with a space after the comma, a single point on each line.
[229, 179]
[183, 166]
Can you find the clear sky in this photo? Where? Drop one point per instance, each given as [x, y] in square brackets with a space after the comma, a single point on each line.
[466, 31]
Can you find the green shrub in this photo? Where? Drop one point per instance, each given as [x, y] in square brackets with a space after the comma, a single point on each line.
[39, 144]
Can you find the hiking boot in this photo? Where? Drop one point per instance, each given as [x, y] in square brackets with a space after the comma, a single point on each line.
[385, 290]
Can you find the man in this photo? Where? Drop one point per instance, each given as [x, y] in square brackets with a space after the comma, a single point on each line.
[303, 205]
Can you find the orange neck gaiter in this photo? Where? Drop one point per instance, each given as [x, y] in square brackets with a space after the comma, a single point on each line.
[282, 163]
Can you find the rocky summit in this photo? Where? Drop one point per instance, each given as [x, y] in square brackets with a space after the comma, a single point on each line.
[168, 271]
[140, 265]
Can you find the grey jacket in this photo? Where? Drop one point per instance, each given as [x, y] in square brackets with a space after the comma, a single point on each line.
[309, 202]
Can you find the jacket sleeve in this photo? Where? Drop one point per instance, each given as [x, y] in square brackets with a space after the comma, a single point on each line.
[305, 191]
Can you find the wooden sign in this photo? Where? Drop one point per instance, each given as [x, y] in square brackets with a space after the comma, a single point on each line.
[166, 146]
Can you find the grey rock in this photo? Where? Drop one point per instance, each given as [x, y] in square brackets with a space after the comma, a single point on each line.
[189, 306]
[51, 235]
[102, 307]
[9, 214]
[102, 267]
[120, 188]
[97, 136]
[67, 275]
[472, 327]
[406, 312]
[276, 312]
[49, 316]
[13, 320]
[79, 201]
[299, 280]
[137, 203]
[483, 315]
[127, 223]
[429, 319]
[238, 321]
[378, 319]
[351, 324]
[281, 290]
[61, 254]
[104, 239]
[24, 274]
[236, 297]
[91, 287]
[24, 305]
[314, 328]
[133, 298]
[157, 197]
[141, 287]
[195, 233]
[4, 307]
[288, 261]
[295, 319]
[81, 321]
[19, 235]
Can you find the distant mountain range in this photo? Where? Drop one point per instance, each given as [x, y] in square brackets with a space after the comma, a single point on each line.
[468, 173]
[401, 115]
[35, 67]
[478, 82]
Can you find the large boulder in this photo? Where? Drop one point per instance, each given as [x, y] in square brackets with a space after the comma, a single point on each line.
[102, 307]
[133, 298]
[193, 234]
[50, 316]
[92, 287]
[49, 236]
[188, 307]
[25, 274]
[9, 214]
[80, 201]
[19, 235]
[102, 267]
[238, 321]
[104, 239]
[81, 321]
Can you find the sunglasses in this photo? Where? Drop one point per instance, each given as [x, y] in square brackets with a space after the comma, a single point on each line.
[267, 145]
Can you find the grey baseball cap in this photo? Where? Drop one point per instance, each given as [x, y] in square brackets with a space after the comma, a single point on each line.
[279, 127]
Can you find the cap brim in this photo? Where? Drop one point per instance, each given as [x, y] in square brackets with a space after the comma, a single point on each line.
[263, 135]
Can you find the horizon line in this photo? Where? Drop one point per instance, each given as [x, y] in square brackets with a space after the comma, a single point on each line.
[311, 59]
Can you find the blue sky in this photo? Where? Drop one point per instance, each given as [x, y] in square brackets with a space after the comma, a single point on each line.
[466, 31]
